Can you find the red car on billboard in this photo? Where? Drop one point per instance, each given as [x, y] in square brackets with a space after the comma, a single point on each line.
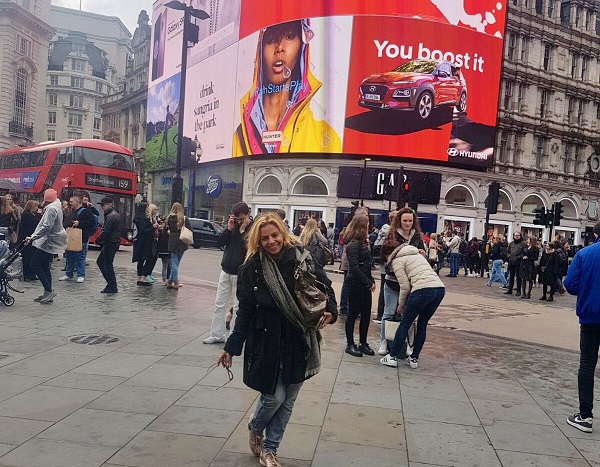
[419, 85]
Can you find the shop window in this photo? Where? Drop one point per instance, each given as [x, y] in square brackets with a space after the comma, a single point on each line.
[530, 203]
[569, 210]
[269, 185]
[459, 196]
[504, 203]
[310, 185]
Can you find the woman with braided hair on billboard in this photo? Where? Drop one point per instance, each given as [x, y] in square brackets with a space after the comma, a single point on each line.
[275, 113]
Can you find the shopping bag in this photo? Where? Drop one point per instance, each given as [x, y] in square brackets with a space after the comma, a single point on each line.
[186, 236]
[391, 326]
[74, 240]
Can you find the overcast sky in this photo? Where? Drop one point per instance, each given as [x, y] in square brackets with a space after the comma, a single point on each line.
[126, 10]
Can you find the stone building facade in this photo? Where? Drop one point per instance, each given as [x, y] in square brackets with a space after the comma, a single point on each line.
[25, 36]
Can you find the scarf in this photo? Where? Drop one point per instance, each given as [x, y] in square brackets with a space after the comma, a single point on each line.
[291, 311]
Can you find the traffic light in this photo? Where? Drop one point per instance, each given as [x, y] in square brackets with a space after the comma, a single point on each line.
[492, 200]
[405, 191]
[541, 216]
[558, 213]
[413, 205]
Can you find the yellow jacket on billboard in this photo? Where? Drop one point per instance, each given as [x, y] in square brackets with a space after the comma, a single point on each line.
[275, 114]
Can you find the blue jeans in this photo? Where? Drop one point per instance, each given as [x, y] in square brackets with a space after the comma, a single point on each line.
[421, 304]
[589, 344]
[273, 412]
[76, 262]
[497, 274]
[454, 261]
[344, 297]
[175, 260]
[390, 299]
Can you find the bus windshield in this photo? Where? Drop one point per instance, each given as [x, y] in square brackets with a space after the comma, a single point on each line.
[95, 157]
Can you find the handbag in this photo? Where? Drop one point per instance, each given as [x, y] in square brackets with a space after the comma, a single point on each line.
[74, 239]
[311, 300]
[186, 235]
[391, 326]
[327, 253]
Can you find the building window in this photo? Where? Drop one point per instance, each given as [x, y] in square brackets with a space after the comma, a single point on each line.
[584, 67]
[74, 135]
[77, 65]
[521, 93]
[564, 160]
[550, 8]
[53, 80]
[539, 152]
[517, 140]
[75, 119]
[99, 87]
[76, 101]
[576, 158]
[524, 41]
[97, 103]
[77, 82]
[502, 153]
[581, 112]
[95, 137]
[598, 111]
[570, 108]
[23, 46]
[97, 123]
[51, 135]
[78, 48]
[51, 117]
[588, 19]
[52, 98]
[511, 46]
[20, 104]
[508, 85]
[547, 56]
[574, 60]
[577, 15]
[544, 103]
[25, 4]
[539, 7]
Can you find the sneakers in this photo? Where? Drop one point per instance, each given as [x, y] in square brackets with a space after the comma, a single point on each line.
[409, 350]
[488, 284]
[254, 439]
[41, 297]
[80, 280]
[65, 278]
[377, 321]
[49, 298]
[388, 360]
[383, 350]
[412, 362]
[150, 279]
[269, 459]
[214, 340]
[583, 424]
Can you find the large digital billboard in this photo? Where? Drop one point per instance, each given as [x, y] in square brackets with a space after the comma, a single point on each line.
[413, 79]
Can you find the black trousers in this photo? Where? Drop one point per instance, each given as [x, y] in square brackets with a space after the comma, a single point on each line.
[27, 254]
[40, 265]
[589, 344]
[105, 263]
[359, 300]
[515, 272]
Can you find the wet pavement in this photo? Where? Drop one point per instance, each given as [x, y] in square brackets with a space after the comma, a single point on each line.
[153, 398]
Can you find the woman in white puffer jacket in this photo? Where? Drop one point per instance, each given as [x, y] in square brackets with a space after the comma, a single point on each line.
[421, 292]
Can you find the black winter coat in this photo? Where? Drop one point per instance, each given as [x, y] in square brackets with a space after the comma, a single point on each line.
[271, 344]
[86, 221]
[527, 265]
[549, 268]
[144, 247]
[174, 244]
[234, 243]
[28, 224]
[359, 263]
[111, 228]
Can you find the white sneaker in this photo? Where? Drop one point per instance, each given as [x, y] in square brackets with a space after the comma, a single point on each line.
[214, 340]
[65, 278]
[409, 350]
[412, 362]
[383, 350]
[80, 279]
[388, 360]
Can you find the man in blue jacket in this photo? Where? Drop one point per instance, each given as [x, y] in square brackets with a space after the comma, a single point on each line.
[582, 280]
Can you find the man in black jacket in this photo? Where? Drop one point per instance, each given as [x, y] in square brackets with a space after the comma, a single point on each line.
[109, 239]
[233, 239]
[82, 218]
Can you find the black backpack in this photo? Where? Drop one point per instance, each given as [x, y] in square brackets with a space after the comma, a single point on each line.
[463, 248]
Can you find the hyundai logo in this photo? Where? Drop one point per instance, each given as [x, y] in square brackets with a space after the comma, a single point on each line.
[452, 152]
[373, 88]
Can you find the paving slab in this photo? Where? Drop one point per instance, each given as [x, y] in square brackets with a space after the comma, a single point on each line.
[436, 410]
[524, 459]
[168, 376]
[197, 421]
[16, 431]
[119, 364]
[224, 398]
[334, 454]
[85, 381]
[137, 399]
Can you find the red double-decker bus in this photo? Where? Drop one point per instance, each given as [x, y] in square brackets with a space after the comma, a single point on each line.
[74, 168]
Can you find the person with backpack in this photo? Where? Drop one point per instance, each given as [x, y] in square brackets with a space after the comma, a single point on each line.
[473, 257]
[82, 218]
[463, 253]
[312, 238]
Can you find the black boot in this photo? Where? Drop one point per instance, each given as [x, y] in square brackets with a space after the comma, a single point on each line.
[353, 350]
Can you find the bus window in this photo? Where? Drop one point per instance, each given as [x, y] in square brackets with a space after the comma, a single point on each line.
[100, 158]
[65, 156]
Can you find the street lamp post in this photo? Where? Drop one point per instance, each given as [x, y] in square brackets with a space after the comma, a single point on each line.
[190, 34]
[196, 161]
